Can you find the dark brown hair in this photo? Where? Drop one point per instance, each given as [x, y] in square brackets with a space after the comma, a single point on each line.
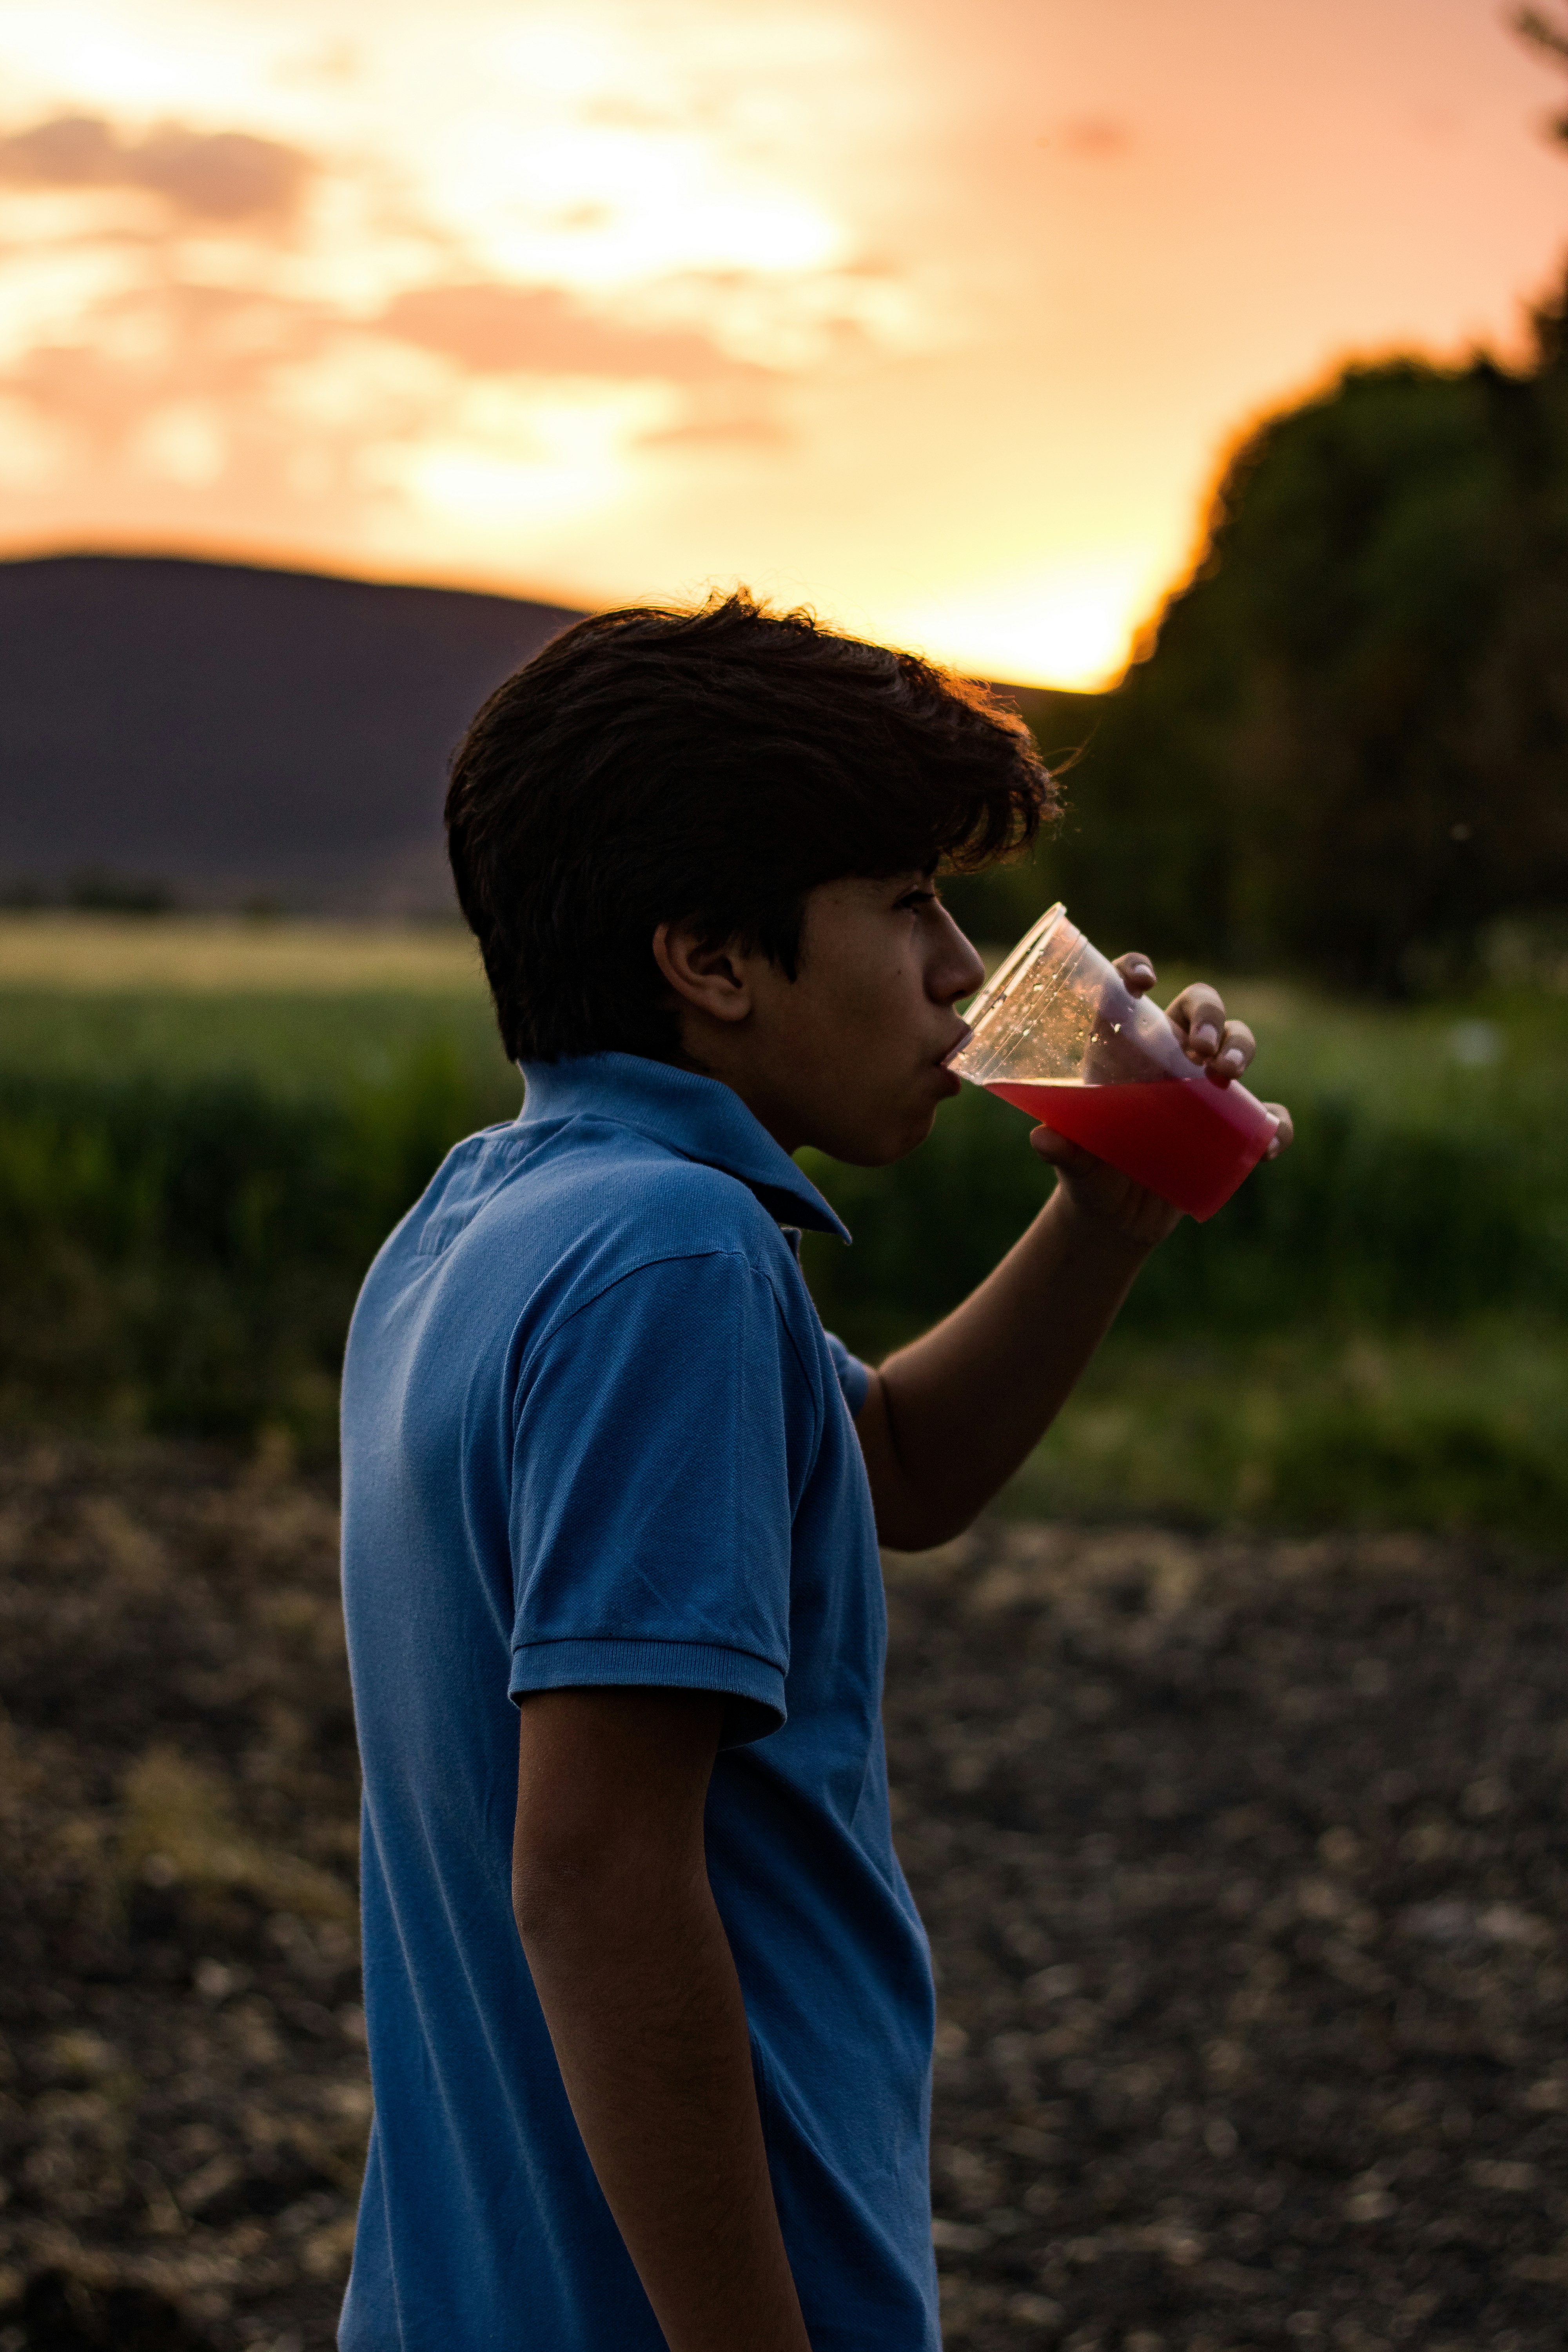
[713, 765]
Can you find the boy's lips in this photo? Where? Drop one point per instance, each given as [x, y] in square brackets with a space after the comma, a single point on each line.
[952, 1084]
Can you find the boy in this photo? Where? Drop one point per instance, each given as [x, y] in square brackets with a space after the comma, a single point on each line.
[649, 2006]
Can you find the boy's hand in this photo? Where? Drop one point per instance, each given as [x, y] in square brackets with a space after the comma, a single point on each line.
[1221, 1049]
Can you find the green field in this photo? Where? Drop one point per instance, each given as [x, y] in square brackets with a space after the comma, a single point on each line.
[205, 1128]
[300, 1009]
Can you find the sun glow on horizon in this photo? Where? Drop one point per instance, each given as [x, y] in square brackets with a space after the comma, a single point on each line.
[1068, 625]
[938, 314]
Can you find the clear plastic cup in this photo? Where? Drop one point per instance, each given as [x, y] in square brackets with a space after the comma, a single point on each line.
[1058, 1032]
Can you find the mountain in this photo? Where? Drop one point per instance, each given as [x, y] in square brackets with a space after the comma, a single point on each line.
[218, 733]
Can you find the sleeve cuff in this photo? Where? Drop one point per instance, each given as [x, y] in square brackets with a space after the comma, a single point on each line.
[753, 1689]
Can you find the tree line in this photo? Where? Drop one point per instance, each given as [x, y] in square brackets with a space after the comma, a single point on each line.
[1343, 748]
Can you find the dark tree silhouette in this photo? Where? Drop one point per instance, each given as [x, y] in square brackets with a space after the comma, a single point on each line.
[1344, 744]
[1552, 41]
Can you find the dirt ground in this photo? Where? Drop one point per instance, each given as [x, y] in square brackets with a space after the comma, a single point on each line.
[1245, 1865]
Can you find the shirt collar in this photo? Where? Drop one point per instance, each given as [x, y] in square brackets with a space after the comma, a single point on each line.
[701, 1119]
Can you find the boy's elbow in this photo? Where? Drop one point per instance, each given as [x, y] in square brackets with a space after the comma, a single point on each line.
[920, 1527]
[560, 1886]
[585, 1893]
[532, 1909]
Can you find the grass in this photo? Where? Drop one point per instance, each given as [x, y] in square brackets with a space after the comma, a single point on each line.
[292, 1048]
[1462, 1428]
[206, 1128]
[229, 955]
[301, 1009]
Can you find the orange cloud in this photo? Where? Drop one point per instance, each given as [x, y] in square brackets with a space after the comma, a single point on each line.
[223, 175]
[581, 299]
[505, 330]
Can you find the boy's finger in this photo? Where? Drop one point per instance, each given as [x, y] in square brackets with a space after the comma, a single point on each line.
[1199, 1013]
[1137, 970]
[1237, 1047]
[1284, 1134]
[1061, 1151]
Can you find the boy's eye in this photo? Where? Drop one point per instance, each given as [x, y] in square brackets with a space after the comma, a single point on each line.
[912, 898]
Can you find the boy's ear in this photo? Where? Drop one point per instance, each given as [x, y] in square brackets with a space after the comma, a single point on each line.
[710, 975]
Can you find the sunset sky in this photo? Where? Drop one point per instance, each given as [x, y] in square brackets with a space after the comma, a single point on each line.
[938, 314]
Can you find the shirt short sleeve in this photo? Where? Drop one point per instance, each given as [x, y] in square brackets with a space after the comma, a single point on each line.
[854, 1376]
[664, 1433]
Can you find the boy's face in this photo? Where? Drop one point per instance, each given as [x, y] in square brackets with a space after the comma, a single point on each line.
[848, 1054]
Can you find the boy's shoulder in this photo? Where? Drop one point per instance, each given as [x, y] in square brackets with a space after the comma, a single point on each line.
[566, 1212]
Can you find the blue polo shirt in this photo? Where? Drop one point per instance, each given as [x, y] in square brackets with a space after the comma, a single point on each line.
[594, 1433]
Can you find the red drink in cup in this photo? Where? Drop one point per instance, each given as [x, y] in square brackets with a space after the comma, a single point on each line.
[1188, 1140]
[1059, 1033]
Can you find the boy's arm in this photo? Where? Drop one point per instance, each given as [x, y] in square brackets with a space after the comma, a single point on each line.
[947, 1421]
[635, 1975]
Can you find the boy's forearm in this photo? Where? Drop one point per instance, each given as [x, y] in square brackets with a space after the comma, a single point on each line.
[634, 1971]
[962, 1407]
[645, 2014]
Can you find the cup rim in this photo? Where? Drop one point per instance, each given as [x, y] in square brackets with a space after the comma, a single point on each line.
[1002, 980]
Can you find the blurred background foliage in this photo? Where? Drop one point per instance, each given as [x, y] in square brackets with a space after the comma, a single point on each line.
[1337, 770]
[1373, 1330]
[1341, 749]
[192, 1184]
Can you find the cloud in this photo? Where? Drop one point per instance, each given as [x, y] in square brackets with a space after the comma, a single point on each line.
[505, 330]
[222, 175]
[758, 432]
[1097, 136]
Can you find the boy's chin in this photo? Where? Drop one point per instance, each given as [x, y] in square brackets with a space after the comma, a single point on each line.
[880, 1149]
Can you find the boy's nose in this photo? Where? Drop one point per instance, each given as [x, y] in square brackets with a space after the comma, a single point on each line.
[965, 972]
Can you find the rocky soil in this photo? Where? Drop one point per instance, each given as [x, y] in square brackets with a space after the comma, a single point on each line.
[1245, 1865]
